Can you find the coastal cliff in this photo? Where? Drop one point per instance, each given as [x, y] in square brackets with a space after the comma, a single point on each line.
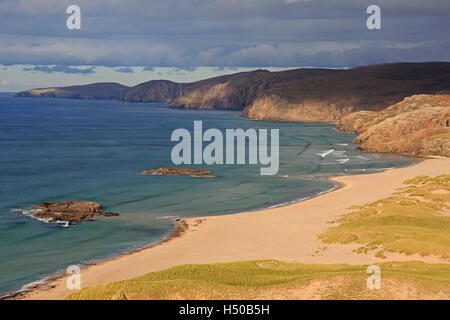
[155, 91]
[101, 90]
[418, 125]
[274, 107]
[327, 98]
[371, 100]
[306, 94]
[237, 91]
[180, 95]
[316, 95]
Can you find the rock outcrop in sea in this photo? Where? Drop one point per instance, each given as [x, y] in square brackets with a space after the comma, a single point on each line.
[194, 173]
[418, 125]
[68, 211]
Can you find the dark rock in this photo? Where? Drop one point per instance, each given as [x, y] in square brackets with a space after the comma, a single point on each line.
[69, 211]
[110, 214]
[176, 171]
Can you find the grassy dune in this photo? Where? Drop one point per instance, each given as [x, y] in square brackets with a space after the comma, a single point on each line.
[445, 135]
[416, 219]
[279, 280]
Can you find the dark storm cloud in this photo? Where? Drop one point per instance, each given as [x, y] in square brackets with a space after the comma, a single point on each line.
[125, 70]
[222, 33]
[63, 69]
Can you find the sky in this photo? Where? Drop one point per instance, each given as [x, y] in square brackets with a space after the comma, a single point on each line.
[131, 41]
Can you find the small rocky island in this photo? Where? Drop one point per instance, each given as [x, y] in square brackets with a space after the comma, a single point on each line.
[68, 211]
[194, 173]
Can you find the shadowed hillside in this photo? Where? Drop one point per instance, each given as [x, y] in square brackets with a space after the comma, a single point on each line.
[308, 95]
[329, 97]
[101, 90]
[237, 91]
[232, 92]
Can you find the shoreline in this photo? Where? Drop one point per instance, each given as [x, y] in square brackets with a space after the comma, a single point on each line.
[55, 288]
[44, 283]
[179, 227]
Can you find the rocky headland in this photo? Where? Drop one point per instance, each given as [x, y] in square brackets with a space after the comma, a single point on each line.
[359, 99]
[330, 97]
[418, 125]
[306, 94]
[101, 90]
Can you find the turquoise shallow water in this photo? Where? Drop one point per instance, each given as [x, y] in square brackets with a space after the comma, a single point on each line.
[55, 149]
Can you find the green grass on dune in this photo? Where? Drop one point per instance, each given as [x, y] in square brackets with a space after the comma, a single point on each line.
[445, 135]
[416, 219]
[413, 220]
[268, 279]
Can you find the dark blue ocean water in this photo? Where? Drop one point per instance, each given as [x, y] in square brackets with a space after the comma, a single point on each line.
[56, 149]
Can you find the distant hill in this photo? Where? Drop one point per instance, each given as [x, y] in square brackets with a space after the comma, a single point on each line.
[307, 94]
[329, 97]
[233, 91]
[101, 90]
[239, 90]
[162, 91]
[230, 92]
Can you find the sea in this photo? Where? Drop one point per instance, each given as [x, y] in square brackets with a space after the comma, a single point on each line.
[96, 150]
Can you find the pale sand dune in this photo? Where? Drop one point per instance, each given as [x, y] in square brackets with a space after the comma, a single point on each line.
[286, 233]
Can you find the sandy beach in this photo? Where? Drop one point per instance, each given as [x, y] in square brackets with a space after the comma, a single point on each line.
[287, 233]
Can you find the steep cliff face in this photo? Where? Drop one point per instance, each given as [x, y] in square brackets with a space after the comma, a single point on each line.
[309, 95]
[218, 96]
[273, 107]
[418, 125]
[101, 90]
[329, 97]
[162, 91]
[237, 91]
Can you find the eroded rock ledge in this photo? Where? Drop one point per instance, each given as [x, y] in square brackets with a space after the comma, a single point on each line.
[418, 125]
[195, 173]
[69, 211]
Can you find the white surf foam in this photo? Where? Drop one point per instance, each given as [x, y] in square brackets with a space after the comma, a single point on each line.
[167, 217]
[325, 153]
[342, 161]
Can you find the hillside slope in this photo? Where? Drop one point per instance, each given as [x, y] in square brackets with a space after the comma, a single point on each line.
[306, 95]
[101, 90]
[239, 90]
[329, 97]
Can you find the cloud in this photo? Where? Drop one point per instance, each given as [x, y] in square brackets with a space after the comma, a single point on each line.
[125, 70]
[294, 1]
[5, 83]
[220, 33]
[60, 68]
[189, 69]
